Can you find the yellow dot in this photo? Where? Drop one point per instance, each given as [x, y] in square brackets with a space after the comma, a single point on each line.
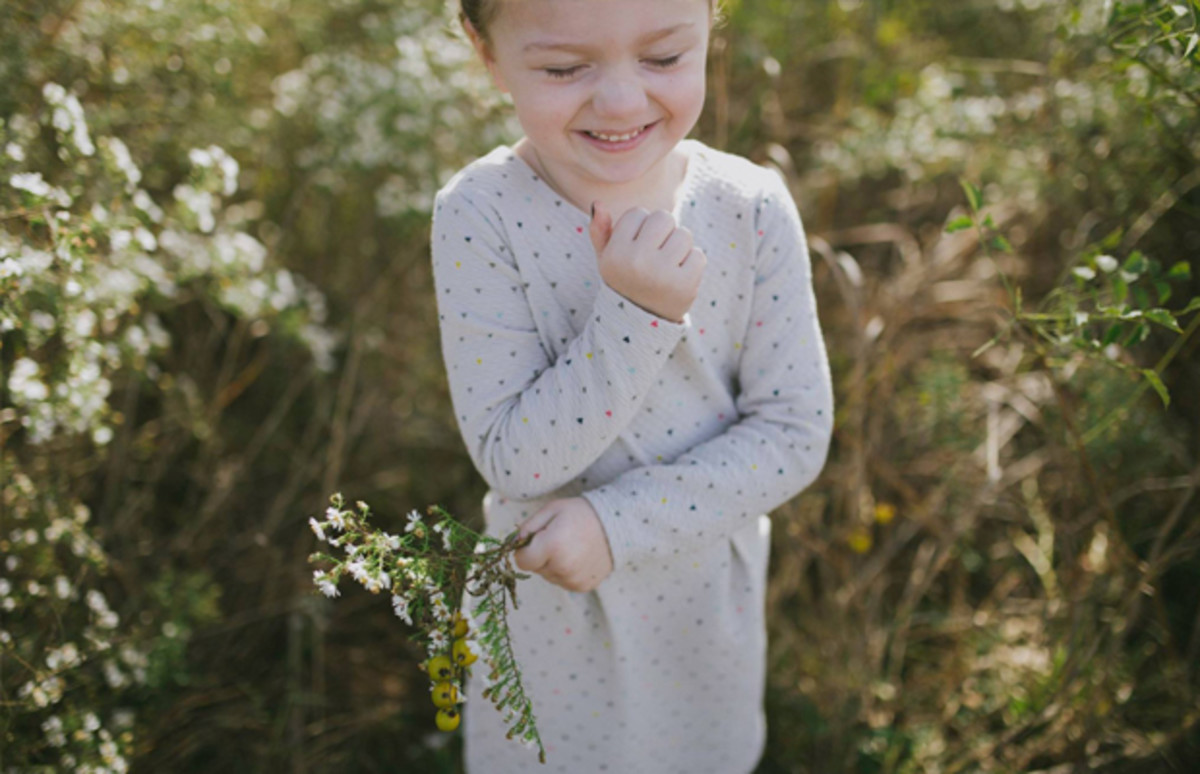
[659, 458]
[458, 264]
[607, 645]
[737, 345]
[754, 467]
[525, 420]
[595, 713]
[664, 502]
[695, 564]
[733, 245]
[884, 513]
[478, 361]
[589, 356]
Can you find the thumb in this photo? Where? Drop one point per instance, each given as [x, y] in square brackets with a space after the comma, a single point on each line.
[601, 227]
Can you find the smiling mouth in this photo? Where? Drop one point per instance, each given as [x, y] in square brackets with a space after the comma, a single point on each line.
[622, 137]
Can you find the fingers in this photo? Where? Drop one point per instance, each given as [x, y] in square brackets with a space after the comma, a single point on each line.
[695, 260]
[678, 245]
[536, 554]
[629, 224]
[655, 228]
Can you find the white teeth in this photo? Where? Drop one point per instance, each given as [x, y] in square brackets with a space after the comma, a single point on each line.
[617, 137]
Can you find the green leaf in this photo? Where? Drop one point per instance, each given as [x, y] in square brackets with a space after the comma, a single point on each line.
[1137, 334]
[1181, 270]
[1163, 318]
[1192, 306]
[1001, 244]
[1120, 290]
[974, 195]
[961, 223]
[1164, 291]
[1111, 334]
[1157, 383]
[1135, 263]
[1193, 40]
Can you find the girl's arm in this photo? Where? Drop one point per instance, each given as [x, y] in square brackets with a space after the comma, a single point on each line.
[532, 424]
[780, 443]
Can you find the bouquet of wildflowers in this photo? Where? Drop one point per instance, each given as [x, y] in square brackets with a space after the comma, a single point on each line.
[426, 570]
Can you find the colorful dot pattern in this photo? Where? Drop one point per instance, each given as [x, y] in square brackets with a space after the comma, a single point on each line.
[681, 435]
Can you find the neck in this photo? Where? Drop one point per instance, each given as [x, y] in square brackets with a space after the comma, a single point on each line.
[653, 191]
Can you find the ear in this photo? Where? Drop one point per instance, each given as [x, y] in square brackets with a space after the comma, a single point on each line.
[484, 50]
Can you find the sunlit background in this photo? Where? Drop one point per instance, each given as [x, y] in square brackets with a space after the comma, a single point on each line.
[216, 310]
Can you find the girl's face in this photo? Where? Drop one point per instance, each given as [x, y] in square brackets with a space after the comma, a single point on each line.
[604, 89]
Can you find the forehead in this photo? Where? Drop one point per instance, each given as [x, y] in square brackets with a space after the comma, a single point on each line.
[534, 25]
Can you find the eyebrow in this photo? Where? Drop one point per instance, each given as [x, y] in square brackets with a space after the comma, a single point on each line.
[648, 38]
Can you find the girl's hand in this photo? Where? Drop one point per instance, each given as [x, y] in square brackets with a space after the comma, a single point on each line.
[648, 259]
[569, 547]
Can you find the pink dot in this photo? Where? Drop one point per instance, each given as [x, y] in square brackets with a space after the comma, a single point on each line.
[654, 323]
[608, 413]
[759, 323]
[720, 416]
[701, 331]
[645, 617]
[568, 630]
[537, 475]
[579, 229]
[739, 608]
[760, 233]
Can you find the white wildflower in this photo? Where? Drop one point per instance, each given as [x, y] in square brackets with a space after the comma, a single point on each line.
[400, 606]
[1107, 263]
[358, 570]
[316, 528]
[414, 521]
[336, 519]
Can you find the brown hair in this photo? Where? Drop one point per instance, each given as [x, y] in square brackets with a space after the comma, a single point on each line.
[481, 13]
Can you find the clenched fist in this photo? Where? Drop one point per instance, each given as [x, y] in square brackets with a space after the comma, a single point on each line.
[569, 547]
[649, 259]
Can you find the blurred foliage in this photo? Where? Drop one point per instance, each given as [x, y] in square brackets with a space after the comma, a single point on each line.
[216, 309]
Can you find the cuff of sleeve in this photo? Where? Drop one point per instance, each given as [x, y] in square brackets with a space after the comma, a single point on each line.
[616, 525]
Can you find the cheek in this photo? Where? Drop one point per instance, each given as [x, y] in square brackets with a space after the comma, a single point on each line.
[685, 91]
[544, 104]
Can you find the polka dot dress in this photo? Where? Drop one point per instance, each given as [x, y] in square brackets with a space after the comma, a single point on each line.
[682, 436]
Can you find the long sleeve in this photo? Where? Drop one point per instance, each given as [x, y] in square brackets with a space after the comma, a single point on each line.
[531, 423]
[780, 442]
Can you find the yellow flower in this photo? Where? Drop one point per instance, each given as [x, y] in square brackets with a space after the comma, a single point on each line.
[462, 652]
[460, 625]
[445, 695]
[448, 719]
[859, 540]
[884, 513]
[441, 668]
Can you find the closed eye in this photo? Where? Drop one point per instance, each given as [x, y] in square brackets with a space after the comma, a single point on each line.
[667, 62]
[563, 72]
[567, 72]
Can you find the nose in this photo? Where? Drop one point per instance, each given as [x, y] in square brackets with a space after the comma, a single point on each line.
[620, 93]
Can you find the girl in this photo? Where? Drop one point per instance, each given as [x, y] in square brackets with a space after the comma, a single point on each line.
[637, 368]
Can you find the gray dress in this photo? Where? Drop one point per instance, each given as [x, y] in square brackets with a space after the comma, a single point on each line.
[682, 436]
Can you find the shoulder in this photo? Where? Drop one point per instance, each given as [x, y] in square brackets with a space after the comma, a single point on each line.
[485, 181]
[725, 178]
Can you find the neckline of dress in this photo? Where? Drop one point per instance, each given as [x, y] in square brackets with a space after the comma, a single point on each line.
[689, 146]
